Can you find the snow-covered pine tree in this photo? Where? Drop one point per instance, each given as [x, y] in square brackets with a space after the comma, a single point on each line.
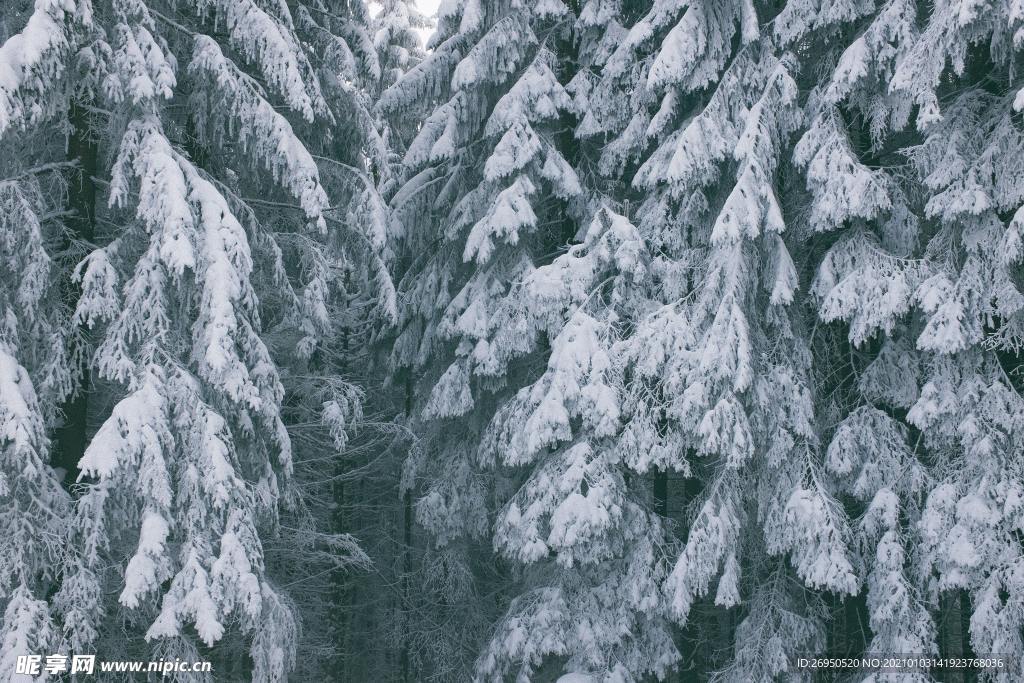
[927, 261]
[719, 380]
[398, 29]
[491, 198]
[653, 331]
[593, 554]
[583, 523]
[940, 284]
[720, 374]
[211, 285]
[37, 365]
[859, 278]
[396, 38]
[352, 297]
[35, 374]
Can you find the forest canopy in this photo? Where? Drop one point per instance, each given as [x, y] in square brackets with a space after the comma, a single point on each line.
[612, 340]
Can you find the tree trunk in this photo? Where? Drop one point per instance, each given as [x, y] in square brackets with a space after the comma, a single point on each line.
[661, 492]
[954, 631]
[692, 641]
[406, 554]
[71, 437]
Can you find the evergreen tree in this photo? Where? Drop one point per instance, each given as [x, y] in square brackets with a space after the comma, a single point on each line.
[210, 287]
[35, 374]
[486, 203]
[397, 39]
[38, 368]
[950, 368]
[761, 147]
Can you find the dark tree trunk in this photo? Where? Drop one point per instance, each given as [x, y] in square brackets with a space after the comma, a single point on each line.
[82, 149]
[661, 492]
[693, 640]
[405, 663]
[955, 632]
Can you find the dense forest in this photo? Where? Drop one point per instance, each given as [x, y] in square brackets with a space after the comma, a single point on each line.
[603, 340]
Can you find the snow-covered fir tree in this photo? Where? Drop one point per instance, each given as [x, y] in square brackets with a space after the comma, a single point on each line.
[396, 38]
[491, 196]
[741, 134]
[399, 28]
[947, 254]
[208, 286]
[36, 372]
[38, 368]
